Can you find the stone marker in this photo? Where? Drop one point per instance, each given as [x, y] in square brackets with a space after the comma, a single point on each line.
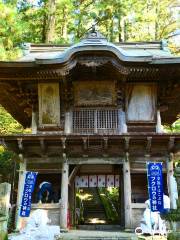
[5, 190]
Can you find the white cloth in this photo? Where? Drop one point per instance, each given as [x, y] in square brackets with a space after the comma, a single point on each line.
[166, 201]
[152, 222]
[37, 228]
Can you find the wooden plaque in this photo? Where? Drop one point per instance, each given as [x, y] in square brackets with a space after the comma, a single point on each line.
[94, 93]
[49, 104]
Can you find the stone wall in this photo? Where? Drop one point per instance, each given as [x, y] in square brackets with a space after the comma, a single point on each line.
[137, 213]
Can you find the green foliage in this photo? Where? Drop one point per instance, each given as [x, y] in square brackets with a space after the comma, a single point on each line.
[10, 31]
[173, 236]
[174, 214]
[67, 21]
[174, 128]
[8, 125]
[109, 197]
[7, 159]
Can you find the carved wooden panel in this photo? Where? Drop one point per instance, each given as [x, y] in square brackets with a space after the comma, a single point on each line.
[94, 93]
[140, 102]
[49, 104]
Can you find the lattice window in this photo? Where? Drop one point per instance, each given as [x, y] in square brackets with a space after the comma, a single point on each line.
[89, 121]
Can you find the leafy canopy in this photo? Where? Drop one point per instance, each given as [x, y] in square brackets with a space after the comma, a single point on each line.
[66, 21]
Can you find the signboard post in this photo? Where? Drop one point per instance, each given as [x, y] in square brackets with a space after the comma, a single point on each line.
[155, 186]
[30, 180]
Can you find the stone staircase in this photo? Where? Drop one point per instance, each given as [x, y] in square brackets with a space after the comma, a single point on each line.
[97, 235]
[94, 212]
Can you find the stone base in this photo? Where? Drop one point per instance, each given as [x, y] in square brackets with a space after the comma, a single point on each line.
[152, 238]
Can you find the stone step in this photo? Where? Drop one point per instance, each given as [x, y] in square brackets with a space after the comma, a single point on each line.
[104, 238]
[94, 210]
[111, 234]
[103, 227]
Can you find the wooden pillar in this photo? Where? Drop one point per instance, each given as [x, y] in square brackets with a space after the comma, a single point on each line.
[72, 203]
[171, 182]
[159, 128]
[122, 121]
[64, 195]
[68, 122]
[127, 193]
[34, 122]
[22, 169]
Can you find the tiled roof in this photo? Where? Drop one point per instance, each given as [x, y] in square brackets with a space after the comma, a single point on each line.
[151, 52]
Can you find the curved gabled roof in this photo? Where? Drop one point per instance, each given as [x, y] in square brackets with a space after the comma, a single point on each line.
[127, 62]
[152, 52]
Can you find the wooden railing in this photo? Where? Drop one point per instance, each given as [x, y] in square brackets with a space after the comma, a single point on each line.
[95, 121]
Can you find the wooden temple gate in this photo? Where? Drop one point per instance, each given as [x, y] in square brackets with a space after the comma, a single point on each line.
[95, 103]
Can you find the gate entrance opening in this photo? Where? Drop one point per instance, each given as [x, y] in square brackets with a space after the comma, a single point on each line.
[99, 195]
[97, 205]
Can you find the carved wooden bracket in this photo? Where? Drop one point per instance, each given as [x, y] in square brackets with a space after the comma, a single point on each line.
[171, 144]
[63, 141]
[105, 143]
[43, 146]
[20, 144]
[85, 143]
[148, 145]
[127, 140]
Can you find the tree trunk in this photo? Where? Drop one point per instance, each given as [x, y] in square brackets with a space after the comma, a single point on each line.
[119, 29]
[156, 22]
[64, 27]
[112, 29]
[50, 26]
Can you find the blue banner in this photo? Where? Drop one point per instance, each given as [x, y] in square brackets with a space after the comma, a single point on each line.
[29, 184]
[155, 185]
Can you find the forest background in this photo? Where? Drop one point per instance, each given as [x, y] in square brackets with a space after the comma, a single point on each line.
[67, 21]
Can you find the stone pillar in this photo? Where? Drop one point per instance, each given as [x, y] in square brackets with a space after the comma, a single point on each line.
[68, 122]
[34, 122]
[159, 128]
[127, 193]
[64, 195]
[5, 191]
[171, 182]
[22, 169]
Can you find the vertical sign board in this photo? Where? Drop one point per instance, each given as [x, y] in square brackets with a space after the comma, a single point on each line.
[30, 180]
[155, 184]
